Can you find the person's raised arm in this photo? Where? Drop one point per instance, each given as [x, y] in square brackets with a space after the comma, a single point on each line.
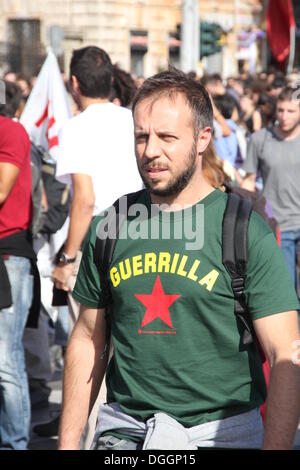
[257, 121]
[250, 167]
[277, 334]
[225, 129]
[81, 212]
[248, 181]
[85, 366]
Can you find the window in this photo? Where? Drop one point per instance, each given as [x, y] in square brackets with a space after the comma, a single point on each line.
[174, 48]
[25, 52]
[138, 48]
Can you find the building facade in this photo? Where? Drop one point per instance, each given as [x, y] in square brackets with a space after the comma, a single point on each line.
[141, 35]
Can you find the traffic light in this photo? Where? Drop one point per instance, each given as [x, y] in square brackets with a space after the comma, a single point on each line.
[210, 35]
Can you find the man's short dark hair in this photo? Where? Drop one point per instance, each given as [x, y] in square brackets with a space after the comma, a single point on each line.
[13, 97]
[172, 82]
[94, 71]
[213, 79]
[289, 94]
[226, 105]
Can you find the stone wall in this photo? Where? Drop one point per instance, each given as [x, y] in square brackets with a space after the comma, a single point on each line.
[109, 24]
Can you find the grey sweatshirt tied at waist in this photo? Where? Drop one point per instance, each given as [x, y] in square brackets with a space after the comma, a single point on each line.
[163, 432]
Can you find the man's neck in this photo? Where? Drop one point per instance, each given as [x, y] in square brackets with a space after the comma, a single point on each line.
[290, 135]
[188, 197]
[85, 101]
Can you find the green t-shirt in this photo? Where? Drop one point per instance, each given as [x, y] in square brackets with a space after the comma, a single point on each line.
[177, 348]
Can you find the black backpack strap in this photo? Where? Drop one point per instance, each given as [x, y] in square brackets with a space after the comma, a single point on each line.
[104, 248]
[235, 256]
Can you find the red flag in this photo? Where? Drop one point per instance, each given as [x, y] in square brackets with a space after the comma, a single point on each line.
[280, 19]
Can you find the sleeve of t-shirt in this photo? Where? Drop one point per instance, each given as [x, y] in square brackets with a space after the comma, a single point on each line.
[73, 148]
[87, 290]
[251, 163]
[15, 145]
[268, 285]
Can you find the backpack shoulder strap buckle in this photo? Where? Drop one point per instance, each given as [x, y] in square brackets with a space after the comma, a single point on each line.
[238, 286]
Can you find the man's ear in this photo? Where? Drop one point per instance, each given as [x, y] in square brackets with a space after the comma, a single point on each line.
[203, 140]
[75, 84]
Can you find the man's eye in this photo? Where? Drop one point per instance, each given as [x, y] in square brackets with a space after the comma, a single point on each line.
[141, 138]
[168, 138]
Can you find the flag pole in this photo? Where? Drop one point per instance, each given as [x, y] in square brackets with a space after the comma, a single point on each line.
[292, 49]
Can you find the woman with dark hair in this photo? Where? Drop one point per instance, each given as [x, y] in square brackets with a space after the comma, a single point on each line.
[123, 87]
[267, 108]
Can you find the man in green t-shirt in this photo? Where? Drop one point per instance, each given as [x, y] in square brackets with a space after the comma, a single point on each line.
[178, 377]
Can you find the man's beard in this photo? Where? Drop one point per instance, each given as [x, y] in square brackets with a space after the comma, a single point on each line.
[177, 185]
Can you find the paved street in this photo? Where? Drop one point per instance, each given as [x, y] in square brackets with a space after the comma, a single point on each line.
[46, 414]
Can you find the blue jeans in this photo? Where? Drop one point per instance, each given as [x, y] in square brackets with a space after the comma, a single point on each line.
[62, 326]
[14, 394]
[290, 246]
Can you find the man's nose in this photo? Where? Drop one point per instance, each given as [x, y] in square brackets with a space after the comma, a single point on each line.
[284, 115]
[153, 149]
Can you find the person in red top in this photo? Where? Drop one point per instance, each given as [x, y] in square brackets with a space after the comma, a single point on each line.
[15, 174]
[16, 284]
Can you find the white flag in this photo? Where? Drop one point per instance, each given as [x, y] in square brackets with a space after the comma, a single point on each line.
[47, 108]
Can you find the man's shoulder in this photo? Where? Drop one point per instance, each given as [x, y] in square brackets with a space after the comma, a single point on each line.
[261, 135]
[73, 122]
[121, 113]
[14, 142]
[14, 129]
[87, 119]
[258, 229]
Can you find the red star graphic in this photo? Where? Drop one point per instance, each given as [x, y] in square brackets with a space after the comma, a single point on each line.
[157, 304]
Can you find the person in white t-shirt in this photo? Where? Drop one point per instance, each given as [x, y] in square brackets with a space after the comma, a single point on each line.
[97, 157]
[96, 152]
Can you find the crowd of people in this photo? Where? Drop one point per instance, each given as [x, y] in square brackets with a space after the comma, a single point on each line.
[173, 139]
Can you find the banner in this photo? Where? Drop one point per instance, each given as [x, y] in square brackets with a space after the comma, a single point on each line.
[47, 108]
[280, 19]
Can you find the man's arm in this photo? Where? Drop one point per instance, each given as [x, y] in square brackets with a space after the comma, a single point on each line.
[8, 176]
[226, 131]
[257, 121]
[80, 218]
[276, 334]
[250, 167]
[248, 182]
[83, 375]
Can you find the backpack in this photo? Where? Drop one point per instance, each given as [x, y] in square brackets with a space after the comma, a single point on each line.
[234, 257]
[36, 190]
[47, 221]
[260, 205]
